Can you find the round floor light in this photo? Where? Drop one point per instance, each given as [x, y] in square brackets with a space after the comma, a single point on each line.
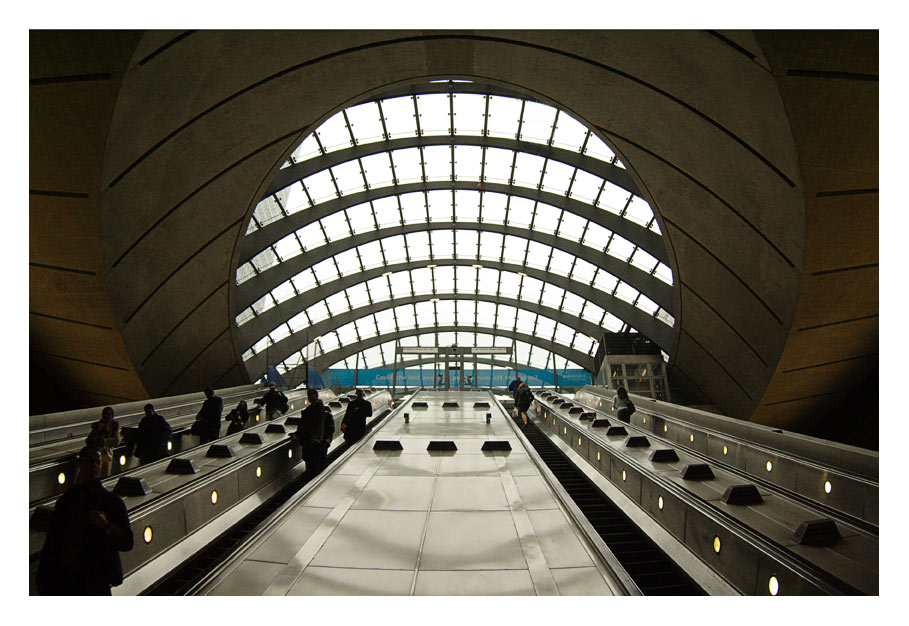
[214, 497]
[147, 534]
[769, 466]
[773, 586]
[716, 544]
[61, 478]
[258, 471]
[660, 503]
[828, 487]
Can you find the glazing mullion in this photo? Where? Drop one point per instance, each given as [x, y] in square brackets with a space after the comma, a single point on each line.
[375, 220]
[385, 134]
[555, 122]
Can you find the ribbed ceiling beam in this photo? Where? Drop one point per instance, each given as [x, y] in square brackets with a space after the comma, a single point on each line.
[292, 344]
[256, 328]
[257, 286]
[637, 234]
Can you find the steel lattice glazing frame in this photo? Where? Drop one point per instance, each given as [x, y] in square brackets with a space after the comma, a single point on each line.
[449, 211]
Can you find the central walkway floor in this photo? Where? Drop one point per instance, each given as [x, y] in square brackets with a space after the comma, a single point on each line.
[414, 522]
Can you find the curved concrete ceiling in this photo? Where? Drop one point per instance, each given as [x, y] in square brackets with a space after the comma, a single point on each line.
[717, 138]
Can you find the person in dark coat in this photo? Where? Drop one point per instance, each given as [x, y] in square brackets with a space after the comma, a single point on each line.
[274, 402]
[210, 417]
[90, 527]
[354, 423]
[105, 436]
[152, 436]
[523, 400]
[311, 432]
[513, 388]
[238, 418]
[622, 405]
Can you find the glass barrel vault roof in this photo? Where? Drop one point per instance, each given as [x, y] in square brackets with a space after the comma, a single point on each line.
[449, 218]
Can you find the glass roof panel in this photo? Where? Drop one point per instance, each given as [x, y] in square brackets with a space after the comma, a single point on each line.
[413, 207]
[613, 198]
[408, 165]
[598, 150]
[320, 187]
[439, 206]
[325, 271]
[336, 226]
[468, 162]
[514, 249]
[312, 236]
[333, 133]
[593, 313]
[531, 289]
[504, 116]
[348, 262]
[386, 211]
[377, 168]
[434, 114]
[371, 254]
[442, 243]
[470, 113]
[358, 295]
[394, 249]
[491, 245]
[467, 206]
[293, 198]
[283, 292]
[572, 226]
[437, 162]
[507, 118]
[337, 303]
[493, 209]
[444, 278]
[365, 122]
[558, 177]
[467, 244]
[538, 254]
[400, 120]
[488, 280]
[418, 246]
[626, 292]
[528, 169]
[569, 133]
[305, 280]
[536, 124]
[400, 284]
[546, 218]
[349, 177]
[520, 212]
[306, 150]
[639, 211]
[620, 248]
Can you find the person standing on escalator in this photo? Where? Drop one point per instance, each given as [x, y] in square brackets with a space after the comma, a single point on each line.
[311, 433]
[523, 400]
[354, 423]
[90, 527]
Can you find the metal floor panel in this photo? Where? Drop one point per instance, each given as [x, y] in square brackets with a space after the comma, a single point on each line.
[415, 522]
